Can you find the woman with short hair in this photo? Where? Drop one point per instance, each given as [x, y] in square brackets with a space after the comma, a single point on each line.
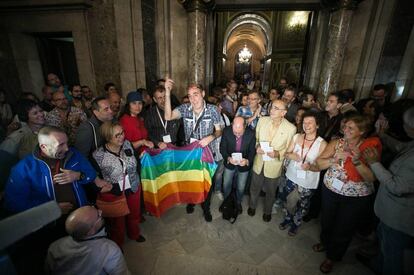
[118, 166]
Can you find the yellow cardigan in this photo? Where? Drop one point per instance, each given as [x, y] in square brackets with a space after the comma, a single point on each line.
[279, 141]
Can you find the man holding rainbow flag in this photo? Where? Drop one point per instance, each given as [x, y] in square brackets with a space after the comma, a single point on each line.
[184, 174]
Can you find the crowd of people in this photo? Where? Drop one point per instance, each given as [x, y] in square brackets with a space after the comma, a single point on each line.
[347, 162]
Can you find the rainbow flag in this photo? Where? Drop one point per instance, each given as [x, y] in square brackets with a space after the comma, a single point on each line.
[176, 175]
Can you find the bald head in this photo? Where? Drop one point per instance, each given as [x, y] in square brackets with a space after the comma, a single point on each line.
[59, 100]
[84, 222]
[238, 126]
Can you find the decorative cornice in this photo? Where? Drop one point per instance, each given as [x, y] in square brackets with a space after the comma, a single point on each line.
[199, 5]
[334, 5]
[7, 7]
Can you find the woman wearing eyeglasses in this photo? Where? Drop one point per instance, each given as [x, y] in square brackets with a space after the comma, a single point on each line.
[348, 190]
[117, 165]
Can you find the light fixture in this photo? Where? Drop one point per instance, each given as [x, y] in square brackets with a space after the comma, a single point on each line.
[244, 55]
[298, 20]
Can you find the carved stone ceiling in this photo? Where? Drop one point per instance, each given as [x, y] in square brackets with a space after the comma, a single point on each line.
[249, 34]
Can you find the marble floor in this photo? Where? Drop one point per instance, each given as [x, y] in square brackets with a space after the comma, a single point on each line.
[180, 243]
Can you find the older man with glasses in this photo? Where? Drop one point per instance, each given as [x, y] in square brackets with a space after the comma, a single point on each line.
[273, 135]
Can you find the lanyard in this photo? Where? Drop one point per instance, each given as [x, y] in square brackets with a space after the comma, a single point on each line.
[303, 146]
[164, 125]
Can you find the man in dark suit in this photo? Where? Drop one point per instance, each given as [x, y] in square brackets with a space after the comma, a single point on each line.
[238, 148]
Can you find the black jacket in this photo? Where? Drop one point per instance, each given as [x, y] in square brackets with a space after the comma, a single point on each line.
[228, 146]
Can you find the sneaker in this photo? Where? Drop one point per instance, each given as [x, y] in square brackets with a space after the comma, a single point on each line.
[251, 212]
[190, 208]
[293, 230]
[283, 225]
[140, 239]
[207, 216]
[219, 195]
[267, 217]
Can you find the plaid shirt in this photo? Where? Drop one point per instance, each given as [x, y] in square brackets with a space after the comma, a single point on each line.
[210, 118]
[245, 112]
[74, 118]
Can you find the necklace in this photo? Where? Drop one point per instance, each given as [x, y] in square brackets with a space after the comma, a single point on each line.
[310, 139]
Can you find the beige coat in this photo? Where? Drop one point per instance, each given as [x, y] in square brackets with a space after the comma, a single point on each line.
[279, 140]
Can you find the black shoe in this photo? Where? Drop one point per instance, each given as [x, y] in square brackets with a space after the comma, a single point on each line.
[190, 208]
[140, 239]
[267, 217]
[251, 212]
[207, 216]
[239, 208]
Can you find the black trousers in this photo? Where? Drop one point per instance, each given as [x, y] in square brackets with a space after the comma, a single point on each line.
[341, 216]
[206, 204]
[316, 200]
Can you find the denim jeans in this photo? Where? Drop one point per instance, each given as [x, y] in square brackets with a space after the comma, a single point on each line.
[218, 176]
[228, 182]
[393, 246]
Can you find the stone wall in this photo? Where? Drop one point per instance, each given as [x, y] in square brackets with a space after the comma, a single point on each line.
[21, 21]
[171, 28]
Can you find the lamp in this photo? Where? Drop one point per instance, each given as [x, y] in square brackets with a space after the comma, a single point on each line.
[244, 55]
[297, 21]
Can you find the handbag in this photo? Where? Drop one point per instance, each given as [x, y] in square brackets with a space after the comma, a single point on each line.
[113, 206]
[229, 207]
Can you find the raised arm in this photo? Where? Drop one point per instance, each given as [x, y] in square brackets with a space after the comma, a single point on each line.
[169, 114]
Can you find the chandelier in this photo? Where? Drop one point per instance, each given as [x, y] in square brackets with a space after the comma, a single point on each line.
[245, 55]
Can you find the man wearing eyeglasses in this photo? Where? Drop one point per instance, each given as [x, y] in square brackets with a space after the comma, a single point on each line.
[273, 135]
[253, 111]
[86, 250]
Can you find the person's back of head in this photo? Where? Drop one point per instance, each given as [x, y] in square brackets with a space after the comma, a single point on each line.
[346, 96]
[84, 222]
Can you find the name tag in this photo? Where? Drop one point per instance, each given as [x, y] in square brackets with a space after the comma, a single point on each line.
[127, 183]
[300, 174]
[337, 184]
[193, 140]
[166, 139]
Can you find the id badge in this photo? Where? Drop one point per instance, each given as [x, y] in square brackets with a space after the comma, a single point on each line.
[166, 139]
[127, 183]
[193, 140]
[300, 174]
[337, 184]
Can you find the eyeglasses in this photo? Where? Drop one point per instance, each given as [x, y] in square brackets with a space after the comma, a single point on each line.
[277, 108]
[117, 135]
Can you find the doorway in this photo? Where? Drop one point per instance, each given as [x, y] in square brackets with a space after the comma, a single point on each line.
[57, 55]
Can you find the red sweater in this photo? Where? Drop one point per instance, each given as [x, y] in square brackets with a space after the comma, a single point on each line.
[134, 129]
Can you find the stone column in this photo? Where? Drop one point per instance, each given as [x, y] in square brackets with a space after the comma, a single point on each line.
[339, 25]
[196, 37]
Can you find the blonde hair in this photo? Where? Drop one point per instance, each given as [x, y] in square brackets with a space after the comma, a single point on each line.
[107, 129]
